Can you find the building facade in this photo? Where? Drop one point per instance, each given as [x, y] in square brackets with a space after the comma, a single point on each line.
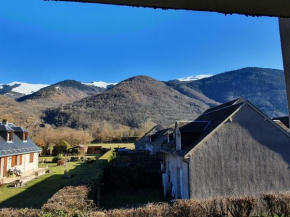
[17, 150]
[234, 149]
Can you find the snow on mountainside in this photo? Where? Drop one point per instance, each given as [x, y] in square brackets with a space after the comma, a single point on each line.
[194, 77]
[100, 84]
[25, 88]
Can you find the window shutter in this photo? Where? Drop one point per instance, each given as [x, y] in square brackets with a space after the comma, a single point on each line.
[20, 159]
[5, 167]
[13, 161]
[31, 157]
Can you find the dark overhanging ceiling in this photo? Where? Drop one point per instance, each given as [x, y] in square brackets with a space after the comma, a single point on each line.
[273, 8]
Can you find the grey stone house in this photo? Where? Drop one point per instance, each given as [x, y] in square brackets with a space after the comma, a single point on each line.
[153, 140]
[232, 149]
[17, 150]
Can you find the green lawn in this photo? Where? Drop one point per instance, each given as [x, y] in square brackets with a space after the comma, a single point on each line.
[45, 158]
[107, 156]
[115, 145]
[35, 193]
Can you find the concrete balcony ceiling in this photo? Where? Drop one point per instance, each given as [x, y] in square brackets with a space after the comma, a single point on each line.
[277, 8]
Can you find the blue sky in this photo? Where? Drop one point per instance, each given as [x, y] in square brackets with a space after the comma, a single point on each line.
[46, 42]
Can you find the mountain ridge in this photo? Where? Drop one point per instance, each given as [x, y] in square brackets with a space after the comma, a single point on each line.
[131, 102]
[264, 87]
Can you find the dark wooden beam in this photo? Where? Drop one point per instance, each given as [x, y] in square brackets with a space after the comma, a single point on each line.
[277, 8]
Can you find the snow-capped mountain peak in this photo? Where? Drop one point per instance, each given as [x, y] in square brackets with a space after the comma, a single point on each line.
[100, 84]
[24, 88]
[194, 77]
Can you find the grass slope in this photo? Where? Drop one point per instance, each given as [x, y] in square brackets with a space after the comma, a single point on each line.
[35, 193]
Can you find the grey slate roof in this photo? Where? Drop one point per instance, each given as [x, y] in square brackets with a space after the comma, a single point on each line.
[17, 146]
[160, 134]
[214, 118]
[230, 103]
[4, 128]
[154, 130]
[19, 130]
[194, 127]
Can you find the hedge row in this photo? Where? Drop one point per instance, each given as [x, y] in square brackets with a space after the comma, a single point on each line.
[74, 201]
[69, 201]
[269, 204]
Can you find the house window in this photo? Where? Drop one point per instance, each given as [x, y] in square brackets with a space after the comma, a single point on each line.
[25, 136]
[9, 137]
[31, 157]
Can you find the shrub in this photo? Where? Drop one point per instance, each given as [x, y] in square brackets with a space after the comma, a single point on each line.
[241, 206]
[57, 158]
[69, 201]
[149, 210]
[60, 162]
[191, 208]
[216, 207]
[277, 204]
[60, 148]
[8, 212]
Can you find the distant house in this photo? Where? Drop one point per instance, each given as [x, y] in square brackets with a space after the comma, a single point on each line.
[153, 140]
[16, 149]
[232, 149]
[94, 149]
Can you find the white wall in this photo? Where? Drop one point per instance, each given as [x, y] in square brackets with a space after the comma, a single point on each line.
[26, 165]
[176, 162]
[245, 156]
[29, 166]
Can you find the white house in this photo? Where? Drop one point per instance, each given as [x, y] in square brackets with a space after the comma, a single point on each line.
[17, 150]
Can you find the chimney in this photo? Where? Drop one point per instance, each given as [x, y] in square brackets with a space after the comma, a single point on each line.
[5, 122]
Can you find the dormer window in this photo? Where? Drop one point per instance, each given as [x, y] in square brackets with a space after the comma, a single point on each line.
[25, 137]
[9, 136]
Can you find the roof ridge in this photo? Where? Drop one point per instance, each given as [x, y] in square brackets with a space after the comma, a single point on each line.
[215, 110]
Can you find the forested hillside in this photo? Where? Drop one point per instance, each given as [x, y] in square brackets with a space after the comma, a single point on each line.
[265, 88]
[132, 103]
[62, 92]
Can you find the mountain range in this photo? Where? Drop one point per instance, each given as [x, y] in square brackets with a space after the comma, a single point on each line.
[132, 102]
[18, 89]
[142, 99]
[265, 88]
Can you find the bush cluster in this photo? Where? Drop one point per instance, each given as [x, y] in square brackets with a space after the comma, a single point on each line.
[271, 205]
[57, 158]
[69, 201]
[74, 201]
[60, 148]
